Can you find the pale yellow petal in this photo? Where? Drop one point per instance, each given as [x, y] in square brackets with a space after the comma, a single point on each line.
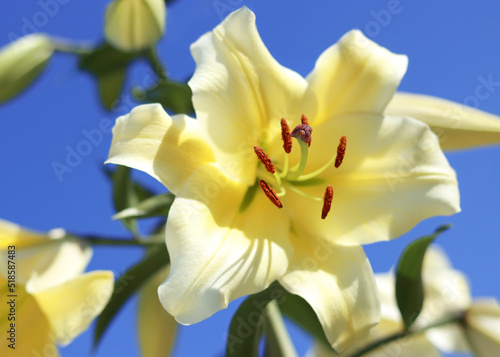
[393, 176]
[43, 260]
[71, 307]
[14, 234]
[457, 126]
[483, 328]
[133, 25]
[446, 290]
[339, 285]
[386, 285]
[218, 254]
[240, 93]
[157, 328]
[167, 148]
[355, 76]
[33, 333]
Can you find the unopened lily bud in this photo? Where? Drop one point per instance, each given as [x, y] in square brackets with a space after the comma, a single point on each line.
[134, 25]
[21, 62]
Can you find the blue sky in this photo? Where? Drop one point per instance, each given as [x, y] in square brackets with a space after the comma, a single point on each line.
[453, 46]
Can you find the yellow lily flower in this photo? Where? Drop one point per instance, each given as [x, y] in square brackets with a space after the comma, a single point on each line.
[134, 25]
[226, 233]
[157, 328]
[21, 62]
[446, 294]
[458, 126]
[50, 301]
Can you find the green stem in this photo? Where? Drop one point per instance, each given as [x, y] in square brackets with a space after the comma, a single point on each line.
[279, 331]
[63, 45]
[158, 67]
[398, 335]
[304, 149]
[119, 242]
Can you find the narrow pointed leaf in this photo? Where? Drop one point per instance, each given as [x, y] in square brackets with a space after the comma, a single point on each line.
[409, 287]
[109, 66]
[152, 206]
[247, 324]
[124, 195]
[128, 284]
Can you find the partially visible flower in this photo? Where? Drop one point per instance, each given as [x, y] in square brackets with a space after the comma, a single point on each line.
[134, 25]
[482, 327]
[250, 210]
[21, 62]
[54, 302]
[157, 328]
[458, 126]
[446, 294]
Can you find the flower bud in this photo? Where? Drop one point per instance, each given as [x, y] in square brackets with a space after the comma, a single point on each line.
[134, 25]
[21, 62]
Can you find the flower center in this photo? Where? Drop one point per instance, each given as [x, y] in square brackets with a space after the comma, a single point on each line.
[294, 177]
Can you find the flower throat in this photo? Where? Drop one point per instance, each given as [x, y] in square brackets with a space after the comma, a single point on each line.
[294, 176]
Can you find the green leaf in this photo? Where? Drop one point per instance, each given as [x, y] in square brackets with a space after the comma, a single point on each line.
[124, 195]
[173, 96]
[110, 87]
[109, 66]
[409, 287]
[105, 59]
[128, 284]
[247, 324]
[152, 206]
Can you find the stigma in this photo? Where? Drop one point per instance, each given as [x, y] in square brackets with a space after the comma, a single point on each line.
[294, 177]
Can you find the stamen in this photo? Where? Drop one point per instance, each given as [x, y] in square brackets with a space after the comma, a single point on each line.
[285, 135]
[340, 151]
[304, 120]
[265, 159]
[270, 193]
[327, 201]
[303, 132]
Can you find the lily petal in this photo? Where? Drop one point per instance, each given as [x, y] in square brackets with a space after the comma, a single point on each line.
[44, 260]
[232, 59]
[32, 328]
[457, 126]
[157, 327]
[393, 176]
[14, 234]
[167, 148]
[71, 307]
[483, 328]
[217, 254]
[339, 285]
[355, 76]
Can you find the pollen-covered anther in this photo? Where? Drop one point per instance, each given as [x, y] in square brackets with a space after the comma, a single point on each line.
[303, 132]
[327, 201]
[340, 151]
[304, 120]
[285, 136]
[265, 159]
[273, 197]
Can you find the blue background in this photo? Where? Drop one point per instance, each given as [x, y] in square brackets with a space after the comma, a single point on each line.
[450, 44]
